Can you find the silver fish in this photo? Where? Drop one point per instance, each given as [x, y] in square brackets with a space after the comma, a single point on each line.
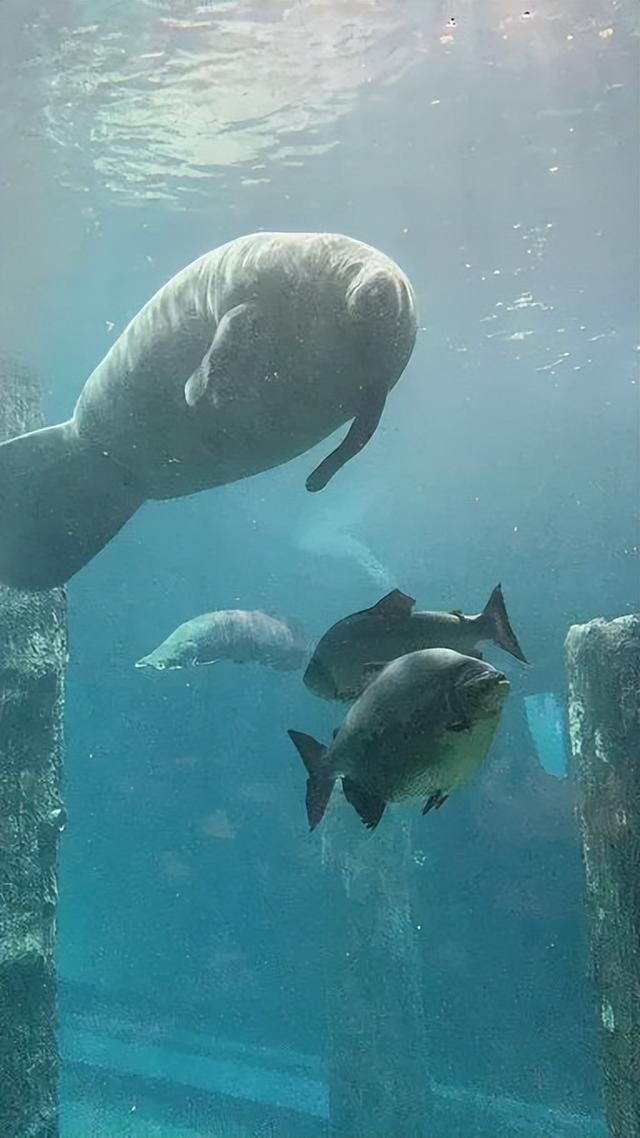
[357, 647]
[420, 729]
[231, 634]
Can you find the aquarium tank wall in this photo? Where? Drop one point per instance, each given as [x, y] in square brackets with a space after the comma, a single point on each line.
[313, 881]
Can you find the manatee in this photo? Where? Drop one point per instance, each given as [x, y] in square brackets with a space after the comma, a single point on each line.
[354, 649]
[421, 729]
[248, 357]
[231, 634]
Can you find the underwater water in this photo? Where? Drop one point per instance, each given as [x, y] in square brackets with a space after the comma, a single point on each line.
[208, 981]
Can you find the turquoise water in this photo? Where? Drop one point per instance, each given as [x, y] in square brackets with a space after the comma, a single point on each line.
[492, 152]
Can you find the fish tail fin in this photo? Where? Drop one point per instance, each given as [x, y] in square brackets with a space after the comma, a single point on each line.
[498, 628]
[61, 501]
[319, 783]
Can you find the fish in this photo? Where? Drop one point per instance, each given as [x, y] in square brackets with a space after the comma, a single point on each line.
[231, 634]
[421, 730]
[358, 646]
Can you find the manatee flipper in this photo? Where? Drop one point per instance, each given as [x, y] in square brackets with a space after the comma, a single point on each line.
[358, 436]
[61, 501]
[233, 341]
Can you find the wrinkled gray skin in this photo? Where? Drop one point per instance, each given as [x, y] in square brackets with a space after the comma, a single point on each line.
[246, 358]
[231, 634]
[420, 729]
[355, 649]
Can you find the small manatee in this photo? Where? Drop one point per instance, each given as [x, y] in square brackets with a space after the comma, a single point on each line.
[231, 634]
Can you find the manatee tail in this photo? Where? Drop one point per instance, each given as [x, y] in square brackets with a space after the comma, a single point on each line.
[61, 501]
[497, 627]
[319, 783]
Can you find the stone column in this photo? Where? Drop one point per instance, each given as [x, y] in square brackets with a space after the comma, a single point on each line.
[33, 653]
[603, 661]
[378, 1066]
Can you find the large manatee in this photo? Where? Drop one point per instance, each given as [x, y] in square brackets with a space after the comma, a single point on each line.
[248, 357]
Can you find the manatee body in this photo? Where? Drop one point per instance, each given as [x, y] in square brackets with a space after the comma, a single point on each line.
[230, 634]
[246, 358]
[357, 647]
[421, 729]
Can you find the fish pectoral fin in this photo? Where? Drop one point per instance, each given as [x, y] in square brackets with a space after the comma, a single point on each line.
[360, 431]
[457, 612]
[394, 603]
[457, 718]
[234, 337]
[368, 806]
[435, 801]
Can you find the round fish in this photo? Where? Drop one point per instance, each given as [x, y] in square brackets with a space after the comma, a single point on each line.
[421, 729]
[246, 358]
[230, 634]
[355, 649]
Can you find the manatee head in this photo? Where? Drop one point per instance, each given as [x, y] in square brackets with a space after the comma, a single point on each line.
[169, 656]
[152, 661]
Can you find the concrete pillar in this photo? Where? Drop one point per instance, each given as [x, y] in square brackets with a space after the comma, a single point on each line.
[33, 653]
[378, 1065]
[603, 662]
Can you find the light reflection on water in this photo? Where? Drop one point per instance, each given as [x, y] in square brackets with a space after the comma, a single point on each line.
[158, 98]
[162, 97]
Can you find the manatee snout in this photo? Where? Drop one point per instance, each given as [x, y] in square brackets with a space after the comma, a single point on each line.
[380, 295]
[149, 662]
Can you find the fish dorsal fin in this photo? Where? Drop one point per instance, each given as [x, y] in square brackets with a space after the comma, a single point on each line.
[395, 603]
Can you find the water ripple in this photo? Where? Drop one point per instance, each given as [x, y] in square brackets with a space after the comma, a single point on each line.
[158, 98]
